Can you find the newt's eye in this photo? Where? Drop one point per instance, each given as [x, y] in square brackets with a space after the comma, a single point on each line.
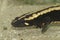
[16, 18]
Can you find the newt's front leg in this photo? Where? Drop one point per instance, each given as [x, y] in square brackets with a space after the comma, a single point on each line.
[45, 23]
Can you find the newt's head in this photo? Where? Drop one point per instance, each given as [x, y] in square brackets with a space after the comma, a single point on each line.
[17, 22]
[21, 21]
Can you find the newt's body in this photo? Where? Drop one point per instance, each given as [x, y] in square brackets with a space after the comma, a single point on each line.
[40, 19]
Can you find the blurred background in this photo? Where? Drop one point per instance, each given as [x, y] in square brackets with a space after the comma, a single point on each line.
[6, 3]
[29, 2]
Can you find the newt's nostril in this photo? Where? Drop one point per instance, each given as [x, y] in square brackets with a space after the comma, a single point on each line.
[13, 24]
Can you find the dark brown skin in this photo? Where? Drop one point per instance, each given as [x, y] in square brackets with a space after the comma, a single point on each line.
[41, 21]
